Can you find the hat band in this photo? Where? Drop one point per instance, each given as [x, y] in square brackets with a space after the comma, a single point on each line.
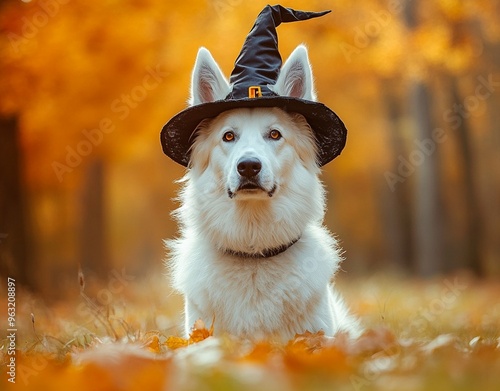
[250, 92]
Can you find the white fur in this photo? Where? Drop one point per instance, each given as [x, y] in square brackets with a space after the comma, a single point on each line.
[275, 297]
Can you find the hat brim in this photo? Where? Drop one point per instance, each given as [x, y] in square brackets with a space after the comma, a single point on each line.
[330, 132]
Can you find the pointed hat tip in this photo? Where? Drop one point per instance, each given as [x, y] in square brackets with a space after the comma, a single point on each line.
[319, 14]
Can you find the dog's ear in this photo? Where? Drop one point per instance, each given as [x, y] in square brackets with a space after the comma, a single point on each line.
[208, 83]
[295, 78]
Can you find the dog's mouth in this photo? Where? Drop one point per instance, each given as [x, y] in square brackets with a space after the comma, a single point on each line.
[250, 187]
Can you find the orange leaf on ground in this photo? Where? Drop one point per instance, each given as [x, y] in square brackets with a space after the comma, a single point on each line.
[372, 341]
[309, 341]
[315, 352]
[299, 359]
[107, 367]
[153, 344]
[260, 353]
[176, 342]
[200, 332]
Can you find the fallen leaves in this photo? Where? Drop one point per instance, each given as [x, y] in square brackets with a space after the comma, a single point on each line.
[299, 358]
[106, 367]
[387, 356]
[198, 333]
[153, 344]
[174, 342]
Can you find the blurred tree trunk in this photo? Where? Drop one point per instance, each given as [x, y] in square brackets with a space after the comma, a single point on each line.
[429, 239]
[93, 244]
[461, 130]
[396, 205]
[489, 182]
[15, 239]
[473, 259]
[492, 194]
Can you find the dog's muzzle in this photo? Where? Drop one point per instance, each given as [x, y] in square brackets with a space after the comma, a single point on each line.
[248, 172]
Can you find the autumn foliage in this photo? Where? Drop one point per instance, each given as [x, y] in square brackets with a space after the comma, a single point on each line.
[433, 336]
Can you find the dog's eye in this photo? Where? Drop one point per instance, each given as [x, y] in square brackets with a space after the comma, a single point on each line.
[274, 134]
[228, 136]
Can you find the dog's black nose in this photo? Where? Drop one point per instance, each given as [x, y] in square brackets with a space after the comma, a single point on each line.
[249, 167]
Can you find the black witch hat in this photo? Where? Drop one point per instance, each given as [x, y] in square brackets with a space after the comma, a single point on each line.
[256, 68]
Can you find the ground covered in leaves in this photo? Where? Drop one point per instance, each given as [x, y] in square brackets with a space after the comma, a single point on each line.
[442, 334]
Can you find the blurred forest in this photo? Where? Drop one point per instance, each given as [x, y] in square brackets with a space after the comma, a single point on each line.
[87, 86]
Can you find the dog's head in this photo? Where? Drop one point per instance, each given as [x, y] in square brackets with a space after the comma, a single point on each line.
[253, 153]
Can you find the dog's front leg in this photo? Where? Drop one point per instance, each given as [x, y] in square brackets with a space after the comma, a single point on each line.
[191, 315]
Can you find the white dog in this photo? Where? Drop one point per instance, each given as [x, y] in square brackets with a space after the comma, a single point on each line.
[253, 253]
